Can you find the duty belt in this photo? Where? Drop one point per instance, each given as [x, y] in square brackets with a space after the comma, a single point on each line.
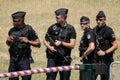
[21, 56]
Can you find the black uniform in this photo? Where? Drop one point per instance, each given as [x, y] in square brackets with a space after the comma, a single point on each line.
[88, 37]
[63, 34]
[20, 52]
[105, 36]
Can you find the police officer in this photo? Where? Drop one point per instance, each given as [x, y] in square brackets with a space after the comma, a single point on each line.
[20, 37]
[64, 36]
[107, 43]
[87, 46]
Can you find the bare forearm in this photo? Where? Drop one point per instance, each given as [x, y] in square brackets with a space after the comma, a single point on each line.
[46, 44]
[89, 49]
[87, 52]
[35, 43]
[113, 48]
[69, 45]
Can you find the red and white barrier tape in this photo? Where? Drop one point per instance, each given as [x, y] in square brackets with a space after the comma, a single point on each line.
[36, 71]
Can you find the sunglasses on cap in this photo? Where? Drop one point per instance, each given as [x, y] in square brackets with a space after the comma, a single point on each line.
[99, 19]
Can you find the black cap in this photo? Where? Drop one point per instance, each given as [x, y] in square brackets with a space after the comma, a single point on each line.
[84, 19]
[100, 15]
[61, 11]
[19, 14]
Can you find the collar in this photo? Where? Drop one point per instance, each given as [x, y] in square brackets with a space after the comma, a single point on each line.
[87, 29]
[99, 28]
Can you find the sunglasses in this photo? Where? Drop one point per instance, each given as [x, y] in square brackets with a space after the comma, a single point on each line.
[16, 20]
[83, 23]
[99, 19]
[58, 17]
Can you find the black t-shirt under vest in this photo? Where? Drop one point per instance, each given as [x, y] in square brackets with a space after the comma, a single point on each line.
[105, 36]
[63, 34]
[21, 48]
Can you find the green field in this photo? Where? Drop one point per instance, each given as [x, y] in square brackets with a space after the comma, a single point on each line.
[40, 15]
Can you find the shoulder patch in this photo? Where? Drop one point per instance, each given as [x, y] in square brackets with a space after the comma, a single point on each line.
[88, 36]
[54, 27]
[113, 35]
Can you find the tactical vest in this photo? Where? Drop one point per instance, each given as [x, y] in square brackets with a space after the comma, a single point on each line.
[18, 48]
[59, 33]
[104, 43]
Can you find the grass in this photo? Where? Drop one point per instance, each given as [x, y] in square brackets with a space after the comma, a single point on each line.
[40, 14]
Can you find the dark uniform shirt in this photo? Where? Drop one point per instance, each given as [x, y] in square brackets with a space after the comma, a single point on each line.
[88, 37]
[63, 34]
[105, 36]
[18, 48]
